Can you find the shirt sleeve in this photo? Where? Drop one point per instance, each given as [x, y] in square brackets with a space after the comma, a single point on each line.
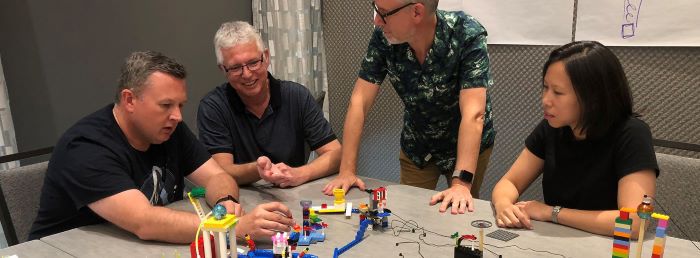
[474, 63]
[374, 64]
[317, 130]
[634, 149]
[213, 132]
[91, 172]
[536, 141]
[195, 154]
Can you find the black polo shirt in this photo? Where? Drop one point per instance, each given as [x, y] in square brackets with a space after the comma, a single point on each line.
[291, 120]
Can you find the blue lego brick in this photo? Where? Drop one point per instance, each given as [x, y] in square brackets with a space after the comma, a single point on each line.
[267, 253]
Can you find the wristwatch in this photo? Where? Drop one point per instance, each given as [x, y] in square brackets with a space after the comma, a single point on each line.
[555, 214]
[463, 175]
[228, 197]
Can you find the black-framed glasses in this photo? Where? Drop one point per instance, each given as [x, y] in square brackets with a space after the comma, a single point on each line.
[238, 70]
[389, 13]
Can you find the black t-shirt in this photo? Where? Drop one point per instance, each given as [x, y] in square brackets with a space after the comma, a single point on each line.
[584, 174]
[93, 160]
[291, 120]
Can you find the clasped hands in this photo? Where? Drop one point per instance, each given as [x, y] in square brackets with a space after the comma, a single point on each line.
[520, 214]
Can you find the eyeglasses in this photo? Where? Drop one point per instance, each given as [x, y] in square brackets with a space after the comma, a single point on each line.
[389, 13]
[238, 70]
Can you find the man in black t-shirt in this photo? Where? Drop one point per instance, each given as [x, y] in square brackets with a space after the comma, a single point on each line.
[125, 161]
[255, 126]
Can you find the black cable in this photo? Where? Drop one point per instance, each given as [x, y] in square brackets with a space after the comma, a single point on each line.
[417, 226]
[414, 226]
[525, 249]
[411, 242]
[674, 222]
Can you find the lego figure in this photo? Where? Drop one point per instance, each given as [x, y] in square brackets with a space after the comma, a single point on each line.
[251, 243]
[644, 211]
[376, 211]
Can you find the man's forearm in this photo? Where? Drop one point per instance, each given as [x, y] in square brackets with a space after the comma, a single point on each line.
[468, 144]
[352, 133]
[324, 165]
[167, 225]
[221, 185]
[244, 174]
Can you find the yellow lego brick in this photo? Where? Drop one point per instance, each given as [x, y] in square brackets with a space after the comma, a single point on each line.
[227, 222]
[659, 216]
[630, 210]
[331, 210]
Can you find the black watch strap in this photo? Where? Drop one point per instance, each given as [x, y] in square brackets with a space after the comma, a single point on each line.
[226, 198]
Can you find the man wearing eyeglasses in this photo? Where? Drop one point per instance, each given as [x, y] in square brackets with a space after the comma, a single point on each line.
[256, 126]
[438, 64]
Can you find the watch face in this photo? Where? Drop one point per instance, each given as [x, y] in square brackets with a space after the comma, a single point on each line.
[464, 175]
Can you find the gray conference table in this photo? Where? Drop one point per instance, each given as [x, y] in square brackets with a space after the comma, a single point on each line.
[406, 202]
[34, 248]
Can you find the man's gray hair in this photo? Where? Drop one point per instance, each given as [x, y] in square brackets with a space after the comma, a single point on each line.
[234, 33]
[430, 5]
[139, 65]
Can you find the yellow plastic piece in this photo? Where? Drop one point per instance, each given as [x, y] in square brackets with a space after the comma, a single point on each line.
[212, 224]
[338, 203]
[339, 197]
[660, 216]
[630, 210]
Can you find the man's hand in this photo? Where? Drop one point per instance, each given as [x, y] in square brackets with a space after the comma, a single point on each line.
[268, 171]
[458, 195]
[289, 176]
[512, 216]
[343, 182]
[265, 220]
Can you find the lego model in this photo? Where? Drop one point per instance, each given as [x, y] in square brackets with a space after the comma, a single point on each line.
[622, 234]
[223, 228]
[644, 211]
[281, 248]
[223, 240]
[623, 230]
[464, 252]
[376, 210]
[312, 229]
[221, 224]
[339, 204]
[660, 238]
[358, 238]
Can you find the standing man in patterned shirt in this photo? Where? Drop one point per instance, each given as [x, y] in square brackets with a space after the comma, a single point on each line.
[438, 64]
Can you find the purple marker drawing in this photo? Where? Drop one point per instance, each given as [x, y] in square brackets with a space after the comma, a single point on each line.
[631, 13]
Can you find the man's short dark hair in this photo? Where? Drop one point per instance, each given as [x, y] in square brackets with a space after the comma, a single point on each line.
[600, 84]
[139, 65]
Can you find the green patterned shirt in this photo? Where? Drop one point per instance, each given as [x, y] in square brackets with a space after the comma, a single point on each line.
[458, 59]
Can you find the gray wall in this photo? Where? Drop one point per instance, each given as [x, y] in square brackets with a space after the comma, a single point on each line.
[62, 58]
